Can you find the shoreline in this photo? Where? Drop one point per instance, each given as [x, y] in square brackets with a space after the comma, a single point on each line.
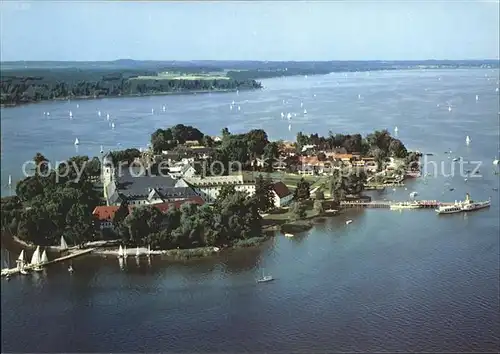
[87, 98]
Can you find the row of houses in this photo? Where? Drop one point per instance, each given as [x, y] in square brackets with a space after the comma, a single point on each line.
[310, 165]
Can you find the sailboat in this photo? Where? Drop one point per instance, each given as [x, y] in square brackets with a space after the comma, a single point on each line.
[77, 105]
[301, 104]
[164, 108]
[20, 260]
[35, 260]
[64, 245]
[289, 116]
[125, 253]
[467, 140]
[152, 111]
[149, 250]
[396, 129]
[120, 251]
[137, 252]
[265, 278]
[10, 180]
[113, 125]
[495, 161]
[102, 150]
[70, 114]
[289, 127]
[477, 97]
[230, 107]
[77, 142]
[44, 259]
[282, 115]
[99, 113]
[239, 108]
[305, 111]
[107, 116]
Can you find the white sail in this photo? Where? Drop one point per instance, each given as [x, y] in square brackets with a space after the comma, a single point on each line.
[305, 111]
[35, 259]
[64, 245]
[120, 251]
[45, 259]
[113, 125]
[230, 107]
[164, 108]
[107, 116]
[70, 114]
[477, 97]
[152, 110]
[102, 149]
[239, 108]
[289, 116]
[289, 127]
[467, 140]
[21, 256]
[10, 180]
[137, 252]
[125, 253]
[77, 141]
[99, 113]
[149, 249]
[301, 104]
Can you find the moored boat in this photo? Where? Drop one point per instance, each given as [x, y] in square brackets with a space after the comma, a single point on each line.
[467, 205]
[405, 205]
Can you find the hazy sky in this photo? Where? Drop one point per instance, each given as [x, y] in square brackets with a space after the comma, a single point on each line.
[337, 30]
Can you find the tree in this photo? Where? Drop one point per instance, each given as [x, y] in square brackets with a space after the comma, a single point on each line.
[397, 149]
[298, 210]
[41, 163]
[302, 192]
[263, 194]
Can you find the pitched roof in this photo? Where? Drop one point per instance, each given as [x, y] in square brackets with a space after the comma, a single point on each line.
[281, 189]
[105, 213]
[164, 207]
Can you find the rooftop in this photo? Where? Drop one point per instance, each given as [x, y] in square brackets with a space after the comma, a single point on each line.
[281, 189]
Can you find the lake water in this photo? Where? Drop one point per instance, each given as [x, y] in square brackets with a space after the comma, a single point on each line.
[406, 281]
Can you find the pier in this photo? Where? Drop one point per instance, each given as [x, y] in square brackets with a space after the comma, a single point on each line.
[429, 204]
[28, 267]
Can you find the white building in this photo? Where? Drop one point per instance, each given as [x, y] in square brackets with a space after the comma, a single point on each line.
[180, 170]
[209, 187]
[282, 195]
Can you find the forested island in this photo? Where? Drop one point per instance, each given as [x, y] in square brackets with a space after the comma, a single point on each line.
[26, 82]
[54, 203]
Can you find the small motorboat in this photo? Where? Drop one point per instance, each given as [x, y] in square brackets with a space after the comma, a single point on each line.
[348, 222]
[289, 235]
[70, 269]
[452, 189]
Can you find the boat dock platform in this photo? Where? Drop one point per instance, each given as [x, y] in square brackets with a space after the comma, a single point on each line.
[72, 255]
[433, 204]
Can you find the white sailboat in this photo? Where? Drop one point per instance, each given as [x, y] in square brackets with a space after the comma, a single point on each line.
[289, 127]
[265, 278]
[77, 142]
[137, 252]
[230, 107]
[152, 111]
[149, 250]
[467, 140]
[77, 105]
[20, 260]
[495, 161]
[44, 259]
[449, 108]
[120, 251]
[396, 129]
[10, 180]
[477, 97]
[102, 149]
[359, 96]
[282, 115]
[99, 113]
[112, 125]
[289, 116]
[305, 111]
[239, 108]
[64, 245]
[232, 103]
[48, 113]
[301, 104]
[164, 108]
[70, 114]
[125, 252]
[107, 116]
[36, 260]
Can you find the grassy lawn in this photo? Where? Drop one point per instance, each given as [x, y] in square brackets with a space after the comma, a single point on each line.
[181, 76]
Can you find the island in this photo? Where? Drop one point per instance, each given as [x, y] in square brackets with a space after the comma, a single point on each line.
[193, 192]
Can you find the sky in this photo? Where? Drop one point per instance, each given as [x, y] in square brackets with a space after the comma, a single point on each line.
[258, 30]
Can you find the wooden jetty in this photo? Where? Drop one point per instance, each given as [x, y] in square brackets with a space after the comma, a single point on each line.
[72, 255]
[387, 204]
